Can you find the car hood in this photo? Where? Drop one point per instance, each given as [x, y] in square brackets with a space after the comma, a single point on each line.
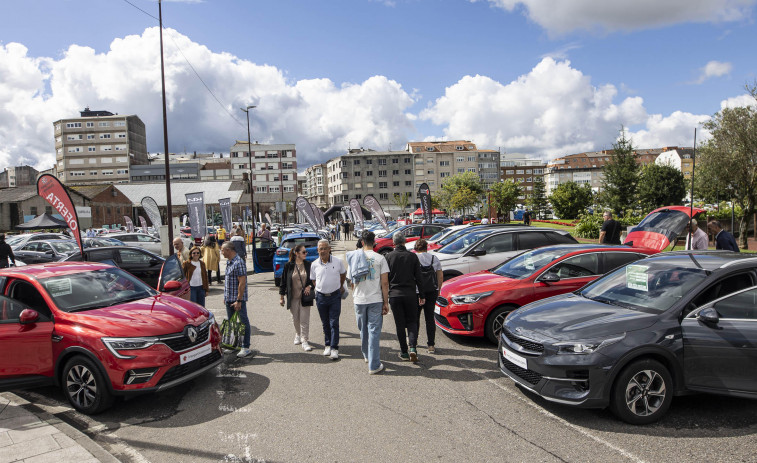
[569, 317]
[648, 234]
[478, 282]
[151, 316]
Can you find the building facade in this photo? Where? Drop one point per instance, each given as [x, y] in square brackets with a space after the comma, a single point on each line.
[680, 158]
[17, 176]
[522, 170]
[274, 170]
[154, 173]
[316, 186]
[434, 161]
[98, 147]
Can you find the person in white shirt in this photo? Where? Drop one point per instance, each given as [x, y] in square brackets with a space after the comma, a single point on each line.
[485, 221]
[698, 237]
[431, 270]
[371, 297]
[328, 275]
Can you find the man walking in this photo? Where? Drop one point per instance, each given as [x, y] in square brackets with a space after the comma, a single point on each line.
[339, 230]
[6, 253]
[698, 238]
[328, 275]
[610, 231]
[235, 292]
[371, 297]
[404, 277]
[181, 251]
[723, 239]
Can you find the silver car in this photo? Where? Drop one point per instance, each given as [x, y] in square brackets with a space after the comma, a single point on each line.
[139, 240]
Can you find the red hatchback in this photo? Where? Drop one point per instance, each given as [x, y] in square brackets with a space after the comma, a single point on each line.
[99, 332]
[385, 245]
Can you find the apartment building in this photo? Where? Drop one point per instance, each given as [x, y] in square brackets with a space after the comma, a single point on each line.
[680, 158]
[523, 170]
[12, 177]
[316, 184]
[98, 147]
[434, 161]
[274, 170]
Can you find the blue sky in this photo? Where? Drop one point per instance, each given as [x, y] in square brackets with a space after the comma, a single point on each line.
[527, 76]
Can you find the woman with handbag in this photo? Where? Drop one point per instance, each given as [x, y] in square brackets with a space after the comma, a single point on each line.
[211, 255]
[300, 293]
[196, 274]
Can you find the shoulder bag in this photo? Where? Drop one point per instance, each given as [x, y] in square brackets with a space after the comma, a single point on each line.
[307, 299]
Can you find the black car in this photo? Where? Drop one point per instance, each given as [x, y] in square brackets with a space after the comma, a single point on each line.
[139, 262]
[37, 252]
[667, 325]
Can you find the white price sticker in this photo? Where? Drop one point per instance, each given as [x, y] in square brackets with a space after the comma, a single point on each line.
[514, 358]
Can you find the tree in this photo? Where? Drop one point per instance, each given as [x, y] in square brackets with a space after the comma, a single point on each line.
[448, 194]
[463, 198]
[504, 196]
[402, 200]
[729, 157]
[538, 200]
[569, 199]
[621, 176]
[660, 186]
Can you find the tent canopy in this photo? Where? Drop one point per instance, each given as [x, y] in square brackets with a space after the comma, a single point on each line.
[42, 221]
[419, 211]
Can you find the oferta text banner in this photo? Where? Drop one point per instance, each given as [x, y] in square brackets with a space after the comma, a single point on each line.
[143, 222]
[129, 224]
[306, 212]
[357, 213]
[425, 193]
[152, 211]
[375, 207]
[56, 194]
[225, 205]
[197, 219]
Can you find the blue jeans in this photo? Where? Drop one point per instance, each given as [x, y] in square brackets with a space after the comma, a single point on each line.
[243, 317]
[329, 309]
[369, 322]
[197, 295]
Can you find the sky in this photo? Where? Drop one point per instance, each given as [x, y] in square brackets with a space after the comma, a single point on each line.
[536, 77]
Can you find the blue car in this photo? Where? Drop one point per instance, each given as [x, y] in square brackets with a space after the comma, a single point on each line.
[310, 240]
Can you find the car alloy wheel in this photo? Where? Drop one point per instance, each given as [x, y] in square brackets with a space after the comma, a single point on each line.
[495, 321]
[645, 393]
[81, 386]
[642, 392]
[84, 385]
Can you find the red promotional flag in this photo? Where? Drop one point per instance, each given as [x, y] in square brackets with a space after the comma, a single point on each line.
[55, 193]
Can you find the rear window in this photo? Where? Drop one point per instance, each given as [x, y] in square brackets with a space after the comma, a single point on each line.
[307, 242]
[532, 240]
[559, 238]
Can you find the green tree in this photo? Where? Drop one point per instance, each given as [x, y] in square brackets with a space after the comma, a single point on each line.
[569, 199]
[463, 198]
[401, 200]
[538, 200]
[448, 194]
[660, 186]
[504, 196]
[729, 157]
[621, 176]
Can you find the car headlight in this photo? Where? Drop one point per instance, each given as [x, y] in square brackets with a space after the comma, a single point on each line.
[115, 345]
[470, 298]
[211, 317]
[586, 347]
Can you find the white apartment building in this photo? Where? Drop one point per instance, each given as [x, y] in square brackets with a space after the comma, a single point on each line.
[434, 161]
[98, 147]
[315, 187]
[274, 170]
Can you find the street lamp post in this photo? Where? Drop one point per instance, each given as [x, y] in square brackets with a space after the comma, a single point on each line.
[252, 191]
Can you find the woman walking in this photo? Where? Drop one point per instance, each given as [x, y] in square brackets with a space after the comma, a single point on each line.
[431, 272]
[195, 272]
[295, 282]
[211, 255]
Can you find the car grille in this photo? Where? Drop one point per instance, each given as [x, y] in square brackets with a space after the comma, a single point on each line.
[442, 320]
[190, 367]
[530, 346]
[182, 343]
[442, 302]
[531, 377]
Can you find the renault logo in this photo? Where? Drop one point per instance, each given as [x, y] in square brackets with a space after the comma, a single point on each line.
[192, 334]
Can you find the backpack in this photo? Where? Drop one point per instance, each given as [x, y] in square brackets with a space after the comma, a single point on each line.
[428, 276]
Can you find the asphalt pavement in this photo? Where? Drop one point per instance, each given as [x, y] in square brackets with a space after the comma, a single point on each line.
[288, 405]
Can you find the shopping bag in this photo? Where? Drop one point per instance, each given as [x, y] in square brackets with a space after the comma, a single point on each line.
[232, 333]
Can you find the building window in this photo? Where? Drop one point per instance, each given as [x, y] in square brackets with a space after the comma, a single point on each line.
[106, 148]
[358, 196]
[519, 172]
[121, 135]
[430, 172]
[73, 137]
[76, 149]
[119, 124]
[460, 159]
[408, 183]
[459, 148]
[356, 162]
[122, 171]
[369, 185]
[396, 172]
[395, 161]
[408, 172]
[92, 172]
[509, 172]
[395, 183]
[357, 173]
[443, 174]
[382, 173]
[471, 158]
[369, 173]
[104, 135]
[407, 160]
[382, 185]
[73, 125]
[90, 136]
[91, 149]
[382, 162]
[104, 124]
[419, 173]
[369, 161]
[443, 163]
[383, 196]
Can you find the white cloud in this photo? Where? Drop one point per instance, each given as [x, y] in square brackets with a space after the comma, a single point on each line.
[561, 17]
[676, 129]
[714, 69]
[737, 101]
[318, 115]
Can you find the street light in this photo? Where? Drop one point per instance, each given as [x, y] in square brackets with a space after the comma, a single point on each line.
[252, 191]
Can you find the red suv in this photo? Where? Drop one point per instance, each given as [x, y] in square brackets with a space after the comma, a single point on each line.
[99, 332]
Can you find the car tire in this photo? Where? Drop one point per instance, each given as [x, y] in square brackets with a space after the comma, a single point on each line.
[277, 281]
[450, 275]
[494, 322]
[85, 386]
[642, 392]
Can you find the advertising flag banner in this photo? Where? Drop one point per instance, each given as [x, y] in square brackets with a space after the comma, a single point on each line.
[344, 214]
[55, 193]
[129, 224]
[225, 205]
[306, 212]
[316, 216]
[322, 218]
[143, 222]
[197, 219]
[357, 213]
[376, 210]
[268, 219]
[152, 211]
[425, 195]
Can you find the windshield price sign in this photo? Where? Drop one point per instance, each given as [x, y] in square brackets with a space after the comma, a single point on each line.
[636, 277]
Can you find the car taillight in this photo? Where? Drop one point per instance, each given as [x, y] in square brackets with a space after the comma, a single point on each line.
[282, 252]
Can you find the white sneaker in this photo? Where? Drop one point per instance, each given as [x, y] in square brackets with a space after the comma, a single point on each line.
[327, 351]
[297, 340]
[244, 353]
[306, 346]
[334, 354]
[377, 370]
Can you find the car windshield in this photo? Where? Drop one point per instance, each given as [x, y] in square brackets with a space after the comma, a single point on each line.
[11, 240]
[461, 244]
[307, 242]
[524, 265]
[665, 219]
[446, 231]
[654, 286]
[392, 231]
[453, 236]
[95, 289]
[64, 247]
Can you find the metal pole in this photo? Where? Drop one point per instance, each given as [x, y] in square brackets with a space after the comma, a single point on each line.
[693, 167]
[252, 190]
[169, 210]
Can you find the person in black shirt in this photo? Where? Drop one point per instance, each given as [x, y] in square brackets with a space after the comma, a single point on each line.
[610, 232]
[5, 253]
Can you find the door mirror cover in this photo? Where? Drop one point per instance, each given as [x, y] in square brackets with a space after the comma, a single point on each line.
[550, 277]
[709, 316]
[477, 252]
[172, 286]
[28, 316]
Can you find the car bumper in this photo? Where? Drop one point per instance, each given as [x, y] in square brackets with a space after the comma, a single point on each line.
[465, 320]
[577, 380]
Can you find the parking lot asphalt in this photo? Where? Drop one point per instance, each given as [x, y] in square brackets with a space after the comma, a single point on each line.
[289, 405]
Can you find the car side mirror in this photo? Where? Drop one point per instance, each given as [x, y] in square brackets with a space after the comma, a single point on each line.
[155, 262]
[709, 316]
[478, 252]
[49, 253]
[172, 285]
[550, 277]
[28, 316]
